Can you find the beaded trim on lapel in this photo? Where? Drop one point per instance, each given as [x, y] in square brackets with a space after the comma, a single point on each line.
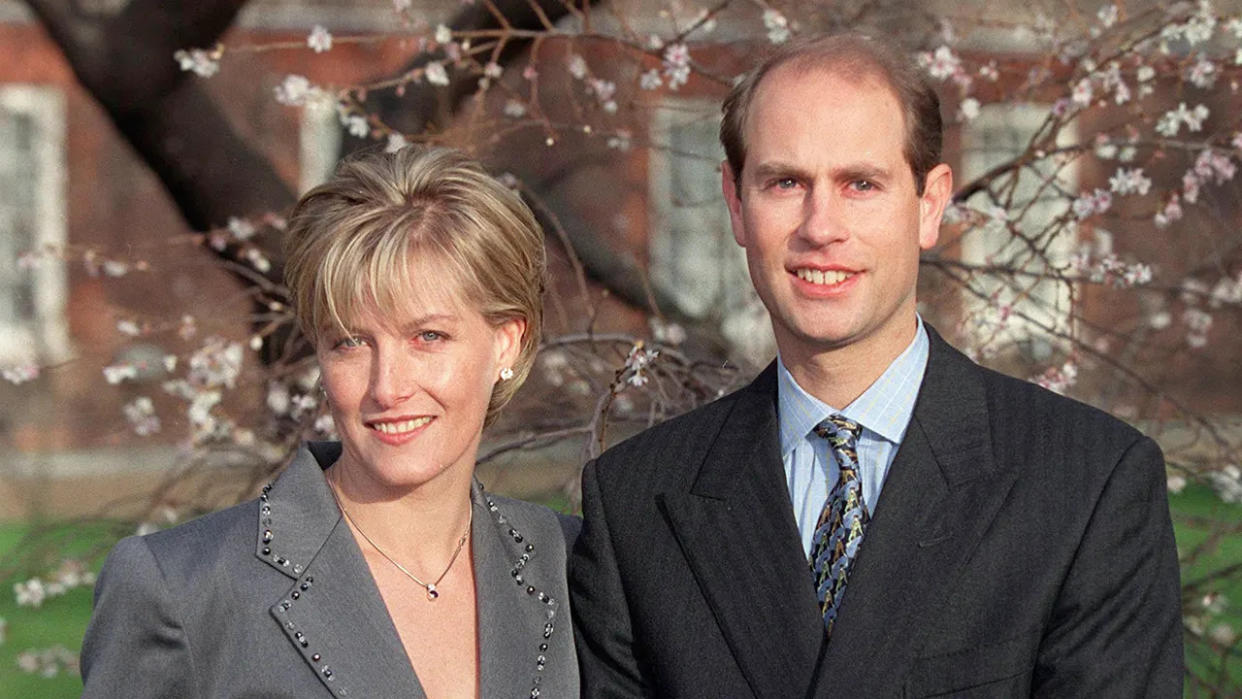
[302, 584]
[266, 551]
[549, 601]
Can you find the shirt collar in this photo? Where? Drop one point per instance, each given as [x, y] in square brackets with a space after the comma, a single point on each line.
[884, 408]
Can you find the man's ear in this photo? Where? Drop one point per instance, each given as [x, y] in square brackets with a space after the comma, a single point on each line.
[937, 189]
[733, 199]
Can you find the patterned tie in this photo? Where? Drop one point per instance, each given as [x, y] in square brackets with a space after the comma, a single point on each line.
[839, 529]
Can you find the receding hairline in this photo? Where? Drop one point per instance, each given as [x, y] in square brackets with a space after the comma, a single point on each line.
[860, 73]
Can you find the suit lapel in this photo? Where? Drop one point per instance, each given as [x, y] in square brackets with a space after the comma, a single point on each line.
[332, 611]
[737, 531]
[941, 493]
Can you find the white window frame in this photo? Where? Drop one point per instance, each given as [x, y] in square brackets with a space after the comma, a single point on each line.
[1049, 302]
[718, 287]
[43, 338]
[319, 143]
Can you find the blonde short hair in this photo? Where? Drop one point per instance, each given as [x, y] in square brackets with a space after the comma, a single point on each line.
[350, 242]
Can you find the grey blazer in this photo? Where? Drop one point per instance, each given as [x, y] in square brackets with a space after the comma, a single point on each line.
[272, 598]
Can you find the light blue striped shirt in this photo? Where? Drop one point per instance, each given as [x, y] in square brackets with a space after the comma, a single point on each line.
[883, 410]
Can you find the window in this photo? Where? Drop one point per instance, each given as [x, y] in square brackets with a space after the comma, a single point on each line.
[32, 217]
[1040, 306]
[694, 258]
[319, 142]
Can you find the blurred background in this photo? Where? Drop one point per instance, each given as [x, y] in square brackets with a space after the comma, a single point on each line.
[149, 150]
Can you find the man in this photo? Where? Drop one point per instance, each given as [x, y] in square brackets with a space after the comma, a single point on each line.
[875, 515]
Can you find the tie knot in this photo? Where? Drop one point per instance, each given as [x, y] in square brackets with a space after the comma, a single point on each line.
[839, 428]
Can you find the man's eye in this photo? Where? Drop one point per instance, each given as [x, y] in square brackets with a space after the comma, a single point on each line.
[863, 185]
[786, 183]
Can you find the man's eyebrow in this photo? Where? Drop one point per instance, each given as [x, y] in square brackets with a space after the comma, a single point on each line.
[861, 171]
[777, 168]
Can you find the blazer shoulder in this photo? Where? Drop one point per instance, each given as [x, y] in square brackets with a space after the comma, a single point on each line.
[202, 546]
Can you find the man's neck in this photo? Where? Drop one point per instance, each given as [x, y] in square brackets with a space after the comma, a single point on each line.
[839, 375]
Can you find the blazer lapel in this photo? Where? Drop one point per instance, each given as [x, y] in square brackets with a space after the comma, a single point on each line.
[942, 492]
[332, 611]
[737, 531]
[516, 614]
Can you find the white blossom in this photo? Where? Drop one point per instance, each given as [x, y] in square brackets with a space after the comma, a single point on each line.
[1083, 92]
[493, 70]
[1107, 15]
[320, 39]
[1129, 181]
[621, 140]
[395, 143]
[1202, 74]
[217, 363]
[198, 61]
[141, 415]
[355, 124]
[942, 63]
[444, 34]
[30, 593]
[240, 228]
[650, 80]
[20, 373]
[293, 91]
[116, 373]
[777, 26]
[969, 109]
[677, 65]
[514, 109]
[436, 74]
[577, 66]
[1145, 73]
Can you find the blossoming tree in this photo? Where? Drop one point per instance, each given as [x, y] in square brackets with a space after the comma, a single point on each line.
[1092, 245]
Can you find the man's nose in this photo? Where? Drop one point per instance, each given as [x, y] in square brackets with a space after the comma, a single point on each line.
[823, 217]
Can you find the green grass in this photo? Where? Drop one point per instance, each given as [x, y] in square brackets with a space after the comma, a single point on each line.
[62, 620]
[1197, 512]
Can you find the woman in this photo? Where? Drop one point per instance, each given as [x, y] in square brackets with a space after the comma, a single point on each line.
[376, 566]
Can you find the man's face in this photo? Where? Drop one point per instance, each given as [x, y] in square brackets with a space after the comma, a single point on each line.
[827, 209]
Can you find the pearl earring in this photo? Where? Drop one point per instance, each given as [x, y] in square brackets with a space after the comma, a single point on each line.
[506, 374]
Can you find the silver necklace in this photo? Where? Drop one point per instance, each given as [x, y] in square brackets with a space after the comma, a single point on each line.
[433, 592]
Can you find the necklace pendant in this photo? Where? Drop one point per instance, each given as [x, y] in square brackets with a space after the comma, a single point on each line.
[432, 593]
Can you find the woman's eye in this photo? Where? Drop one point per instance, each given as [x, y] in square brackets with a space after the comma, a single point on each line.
[430, 336]
[348, 342]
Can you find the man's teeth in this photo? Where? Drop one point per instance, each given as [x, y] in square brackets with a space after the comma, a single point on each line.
[817, 276]
[400, 427]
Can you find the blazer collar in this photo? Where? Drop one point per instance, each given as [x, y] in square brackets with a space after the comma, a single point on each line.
[302, 535]
[332, 611]
[737, 531]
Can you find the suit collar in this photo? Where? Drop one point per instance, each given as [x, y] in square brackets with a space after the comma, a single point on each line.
[941, 495]
[737, 530]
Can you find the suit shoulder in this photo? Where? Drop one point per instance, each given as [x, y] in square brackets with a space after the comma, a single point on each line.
[689, 432]
[1039, 407]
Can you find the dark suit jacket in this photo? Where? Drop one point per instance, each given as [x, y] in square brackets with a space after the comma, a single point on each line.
[220, 607]
[1021, 546]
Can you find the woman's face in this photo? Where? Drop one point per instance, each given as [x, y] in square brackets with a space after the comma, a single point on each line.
[408, 388]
